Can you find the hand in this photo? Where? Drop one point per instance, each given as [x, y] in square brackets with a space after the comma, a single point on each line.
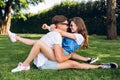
[70, 55]
[45, 26]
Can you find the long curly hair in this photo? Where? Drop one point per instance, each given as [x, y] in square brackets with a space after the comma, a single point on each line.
[81, 29]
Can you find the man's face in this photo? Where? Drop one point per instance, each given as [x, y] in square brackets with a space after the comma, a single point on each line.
[63, 25]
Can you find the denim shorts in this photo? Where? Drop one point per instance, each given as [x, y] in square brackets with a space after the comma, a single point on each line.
[65, 52]
[52, 64]
[49, 65]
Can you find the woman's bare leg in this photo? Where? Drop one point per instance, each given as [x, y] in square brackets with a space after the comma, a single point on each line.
[38, 47]
[73, 64]
[78, 57]
[26, 41]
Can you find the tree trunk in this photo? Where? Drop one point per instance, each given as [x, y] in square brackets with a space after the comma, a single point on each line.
[111, 20]
[3, 29]
[5, 24]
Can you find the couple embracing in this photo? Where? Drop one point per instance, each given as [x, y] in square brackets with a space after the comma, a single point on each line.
[56, 49]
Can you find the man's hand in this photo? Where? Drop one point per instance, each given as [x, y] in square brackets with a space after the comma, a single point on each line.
[60, 57]
[70, 56]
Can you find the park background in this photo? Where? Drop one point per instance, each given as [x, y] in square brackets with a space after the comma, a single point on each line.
[93, 13]
[28, 25]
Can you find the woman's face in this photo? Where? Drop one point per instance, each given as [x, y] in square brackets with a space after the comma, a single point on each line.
[73, 27]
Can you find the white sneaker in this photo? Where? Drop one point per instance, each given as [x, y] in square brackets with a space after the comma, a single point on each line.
[20, 67]
[12, 36]
[92, 60]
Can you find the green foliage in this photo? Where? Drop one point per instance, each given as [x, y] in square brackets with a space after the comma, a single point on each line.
[2, 4]
[93, 13]
[13, 53]
[17, 6]
[23, 4]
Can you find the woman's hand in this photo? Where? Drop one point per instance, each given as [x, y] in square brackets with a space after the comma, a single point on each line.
[45, 26]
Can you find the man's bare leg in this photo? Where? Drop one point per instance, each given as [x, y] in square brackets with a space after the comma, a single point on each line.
[78, 57]
[85, 59]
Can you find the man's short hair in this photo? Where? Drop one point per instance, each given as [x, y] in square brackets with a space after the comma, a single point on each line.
[58, 19]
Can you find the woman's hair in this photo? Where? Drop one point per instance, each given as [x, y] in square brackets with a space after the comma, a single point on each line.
[81, 29]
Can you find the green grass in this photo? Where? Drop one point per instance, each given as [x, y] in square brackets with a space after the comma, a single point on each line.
[12, 53]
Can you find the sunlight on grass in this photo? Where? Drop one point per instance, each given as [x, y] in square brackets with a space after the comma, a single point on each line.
[105, 55]
[106, 50]
[2, 47]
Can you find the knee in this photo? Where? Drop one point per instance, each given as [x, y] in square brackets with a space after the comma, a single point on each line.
[38, 42]
[73, 64]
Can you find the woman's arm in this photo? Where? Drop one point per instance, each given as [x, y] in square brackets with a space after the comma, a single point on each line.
[66, 34]
[45, 26]
[50, 28]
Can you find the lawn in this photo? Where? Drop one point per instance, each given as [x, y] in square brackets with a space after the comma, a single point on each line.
[13, 53]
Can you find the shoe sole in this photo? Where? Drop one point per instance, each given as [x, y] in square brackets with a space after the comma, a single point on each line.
[115, 64]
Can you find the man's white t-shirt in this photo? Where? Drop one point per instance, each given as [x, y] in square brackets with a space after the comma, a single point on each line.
[50, 39]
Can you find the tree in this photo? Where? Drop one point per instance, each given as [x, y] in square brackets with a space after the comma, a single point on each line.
[111, 20]
[6, 6]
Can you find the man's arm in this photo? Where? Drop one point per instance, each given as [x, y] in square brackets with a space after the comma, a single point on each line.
[60, 57]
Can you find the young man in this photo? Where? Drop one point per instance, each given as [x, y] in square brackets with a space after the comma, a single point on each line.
[54, 41]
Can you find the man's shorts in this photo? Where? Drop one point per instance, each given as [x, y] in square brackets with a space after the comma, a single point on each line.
[52, 64]
[49, 65]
